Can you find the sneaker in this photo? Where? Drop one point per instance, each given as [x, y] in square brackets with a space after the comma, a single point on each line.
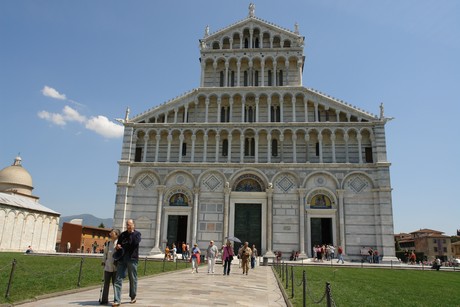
[133, 300]
[115, 304]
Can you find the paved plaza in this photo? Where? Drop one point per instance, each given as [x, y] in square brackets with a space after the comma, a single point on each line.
[182, 288]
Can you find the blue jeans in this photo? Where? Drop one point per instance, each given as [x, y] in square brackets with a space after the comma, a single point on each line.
[129, 265]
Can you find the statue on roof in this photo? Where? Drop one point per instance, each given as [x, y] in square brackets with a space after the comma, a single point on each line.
[127, 115]
[206, 31]
[252, 9]
[296, 28]
[382, 111]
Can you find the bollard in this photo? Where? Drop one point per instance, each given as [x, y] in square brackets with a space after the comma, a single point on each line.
[304, 290]
[287, 275]
[292, 281]
[145, 265]
[164, 260]
[79, 274]
[328, 294]
[10, 280]
[282, 271]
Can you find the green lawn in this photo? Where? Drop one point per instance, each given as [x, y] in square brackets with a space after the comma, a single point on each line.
[36, 275]
[376, 287]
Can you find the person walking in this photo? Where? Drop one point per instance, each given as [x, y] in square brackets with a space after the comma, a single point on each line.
[174, 252]
[227, 257]
[246, 253]
[253, 256]
[110, 269]
[211, 255]
[128, 245]
[195, 258]
[340, 254]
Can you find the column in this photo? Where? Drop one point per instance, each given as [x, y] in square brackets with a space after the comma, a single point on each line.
[333, 147]
[269, 147]
[203, 68]
[231, 109]
[181, 142]
[275, 75]
[269, 108]
[293, 109]
[340, 194]
[157, 146]
[186, 113]
[262, 73]
[168, 156]
[286, 64]
[243, 108]
[299, 67]
[282, 110]
[269, 245]
[156, 248]
[256, 153]
[192, 158]
[241, 148]
[166, 117]
[251, 33]
[196, 192]
[219, 103]
[146, 141]
[226, 74]
[320, 141]
[346, 137]
[360, 150]
[238, 72]
[307, 141]
[229, 153]
[316, 112]
[257, 109]
[175, 115]
[301, 223]
[227, 191]
[205, 145]
[294, 148]
[281, 153]
[207, 110]
[214, 74]
[305, 103]
[217, 147]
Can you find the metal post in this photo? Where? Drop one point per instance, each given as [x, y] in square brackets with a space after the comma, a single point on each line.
[13, 267]
[79, 274]
[328, 294]
[287, 275]
[292, 281]
[304, 290]
[145, 265]
[282, 271]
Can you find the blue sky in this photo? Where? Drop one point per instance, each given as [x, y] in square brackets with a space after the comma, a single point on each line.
[68, 68]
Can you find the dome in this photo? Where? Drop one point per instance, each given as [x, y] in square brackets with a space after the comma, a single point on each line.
[15, 177]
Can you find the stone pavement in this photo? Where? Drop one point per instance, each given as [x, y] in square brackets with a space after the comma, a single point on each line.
[182, 288]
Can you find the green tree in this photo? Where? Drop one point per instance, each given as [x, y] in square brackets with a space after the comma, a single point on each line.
[101, 225]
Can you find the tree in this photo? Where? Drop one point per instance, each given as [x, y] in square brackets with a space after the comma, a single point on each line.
[101, 225]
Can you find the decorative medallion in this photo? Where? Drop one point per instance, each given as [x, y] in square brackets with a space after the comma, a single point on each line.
[180, 179]
[357, 184]
[146, 181]
[285, 184]
[320, 181]
[212, 182]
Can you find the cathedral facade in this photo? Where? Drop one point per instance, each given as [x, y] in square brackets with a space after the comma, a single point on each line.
[252, 153]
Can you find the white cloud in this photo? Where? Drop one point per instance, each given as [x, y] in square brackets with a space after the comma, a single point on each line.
[101, 125]
[55, 118]
[73, 115]
[51, 92]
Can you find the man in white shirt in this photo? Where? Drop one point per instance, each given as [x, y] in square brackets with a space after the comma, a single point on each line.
[211, 254]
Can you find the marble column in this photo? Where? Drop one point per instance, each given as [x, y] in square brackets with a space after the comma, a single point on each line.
[156, 249]
[196, 192]
[342, 242]
[269, 253]
[227, 191]
[301, 193]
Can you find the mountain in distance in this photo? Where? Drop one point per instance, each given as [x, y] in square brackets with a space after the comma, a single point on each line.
[88, 220]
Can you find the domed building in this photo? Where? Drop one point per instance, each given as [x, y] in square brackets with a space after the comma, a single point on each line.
[23, 220]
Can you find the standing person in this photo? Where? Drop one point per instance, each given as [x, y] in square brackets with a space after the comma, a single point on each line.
[128, 244]
[253, 256]
[340, 254]
[110, 269]
[174, 252]
[240, 252]
[211, 255]
[184, 251]
[187, 251]
[195, 258]
[68, 247]
[246, 253]
[227, 257]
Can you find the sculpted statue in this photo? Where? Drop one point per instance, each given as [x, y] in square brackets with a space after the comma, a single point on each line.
[252, 8]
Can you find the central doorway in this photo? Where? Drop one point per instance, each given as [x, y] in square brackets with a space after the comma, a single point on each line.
[177, 230]
[321, 231]
[248, 225]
